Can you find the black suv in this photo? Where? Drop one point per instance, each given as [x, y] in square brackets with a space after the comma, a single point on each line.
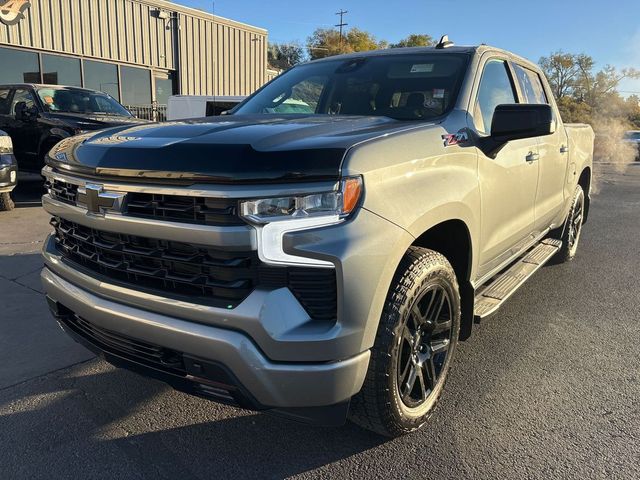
[39, 116]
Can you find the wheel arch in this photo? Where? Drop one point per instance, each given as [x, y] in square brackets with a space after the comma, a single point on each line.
[453, 239]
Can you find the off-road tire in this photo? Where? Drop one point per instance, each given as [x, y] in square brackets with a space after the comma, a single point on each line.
[570, 239]
[379, 406]
[6, 203]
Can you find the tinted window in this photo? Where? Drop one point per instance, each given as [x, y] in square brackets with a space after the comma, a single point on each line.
[5, 107]
[18, 66]
[19, 97]
[495, 89]
[136, 86]
[59, 70]
[76, 100]
[102, 77]
[530, 85]
[401, 86]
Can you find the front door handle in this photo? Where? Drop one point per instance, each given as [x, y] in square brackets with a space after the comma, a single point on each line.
[532, 157]
[564, 149]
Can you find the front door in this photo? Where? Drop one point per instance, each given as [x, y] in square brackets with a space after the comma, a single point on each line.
[508, 182]
[24, 133]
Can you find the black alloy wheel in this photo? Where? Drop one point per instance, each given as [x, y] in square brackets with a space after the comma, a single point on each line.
[424, 346]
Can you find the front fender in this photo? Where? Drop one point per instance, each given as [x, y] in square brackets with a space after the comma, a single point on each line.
[416, 182]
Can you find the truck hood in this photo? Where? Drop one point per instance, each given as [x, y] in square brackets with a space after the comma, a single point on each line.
[227, 149]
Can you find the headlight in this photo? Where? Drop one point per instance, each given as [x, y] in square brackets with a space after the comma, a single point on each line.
[273, 217]
[6, 145]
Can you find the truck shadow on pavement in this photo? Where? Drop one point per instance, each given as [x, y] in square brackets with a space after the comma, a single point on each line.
[93, 416]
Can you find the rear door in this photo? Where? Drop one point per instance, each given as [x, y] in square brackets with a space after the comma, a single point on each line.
[508, 182]
[553, 152]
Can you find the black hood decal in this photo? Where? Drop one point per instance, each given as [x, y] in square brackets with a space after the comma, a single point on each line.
[228, 149]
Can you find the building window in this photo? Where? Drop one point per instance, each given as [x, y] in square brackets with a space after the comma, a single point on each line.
[102, 77]
[19, 66]
[58, 70]
[136, 86]
[164, 88]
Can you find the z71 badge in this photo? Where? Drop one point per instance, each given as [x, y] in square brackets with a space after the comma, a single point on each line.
[455, 138]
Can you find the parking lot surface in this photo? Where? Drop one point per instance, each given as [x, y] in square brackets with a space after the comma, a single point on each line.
[547, 388]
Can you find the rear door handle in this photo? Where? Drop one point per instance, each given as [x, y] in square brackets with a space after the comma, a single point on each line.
[532, 157]
[564, 149]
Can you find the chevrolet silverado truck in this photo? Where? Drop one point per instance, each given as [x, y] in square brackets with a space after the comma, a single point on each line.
[323, 264]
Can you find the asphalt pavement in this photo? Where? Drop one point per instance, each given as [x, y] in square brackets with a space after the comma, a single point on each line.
[547, 388]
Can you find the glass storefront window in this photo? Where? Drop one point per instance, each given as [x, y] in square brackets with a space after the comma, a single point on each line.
[164, 89]
[102, 77]
[136, 86]
[59, 70]
[19, 66]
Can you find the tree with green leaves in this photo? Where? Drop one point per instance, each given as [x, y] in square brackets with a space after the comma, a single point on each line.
[325, 42]
[282, 56]
[415, 40]
[584, 94]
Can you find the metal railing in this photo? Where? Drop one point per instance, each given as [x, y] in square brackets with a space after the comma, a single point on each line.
[153, 112]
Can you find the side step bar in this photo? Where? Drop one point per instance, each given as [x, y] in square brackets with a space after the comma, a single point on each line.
[490, 298]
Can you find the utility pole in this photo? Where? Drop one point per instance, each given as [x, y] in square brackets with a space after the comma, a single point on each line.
[342, 13]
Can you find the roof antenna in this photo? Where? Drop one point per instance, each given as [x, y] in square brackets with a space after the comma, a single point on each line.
[444, 42]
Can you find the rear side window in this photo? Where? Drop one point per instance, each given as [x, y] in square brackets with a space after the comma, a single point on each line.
[495, 89]
[530, 85]
[5, 107]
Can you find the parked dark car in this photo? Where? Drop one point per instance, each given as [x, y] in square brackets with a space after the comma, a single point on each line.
[8, 172]
[36, 117]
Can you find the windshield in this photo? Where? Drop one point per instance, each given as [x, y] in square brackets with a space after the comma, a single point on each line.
[76, 100]
[401, 86]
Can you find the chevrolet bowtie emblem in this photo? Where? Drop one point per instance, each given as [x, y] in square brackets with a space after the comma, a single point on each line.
[97, 201]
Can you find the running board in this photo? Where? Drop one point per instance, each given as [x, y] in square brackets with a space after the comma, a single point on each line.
[490, 298]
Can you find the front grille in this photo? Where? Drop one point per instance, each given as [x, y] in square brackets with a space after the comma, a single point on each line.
[194, 273]
[62, 191]
[175, 208]
[171, 208]
[215, 277]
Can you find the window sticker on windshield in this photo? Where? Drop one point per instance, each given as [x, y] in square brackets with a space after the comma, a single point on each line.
[438, 93]
[49, 100]
[422, 68]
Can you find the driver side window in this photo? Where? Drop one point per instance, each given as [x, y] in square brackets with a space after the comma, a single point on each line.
[22, 95]
[495, 89]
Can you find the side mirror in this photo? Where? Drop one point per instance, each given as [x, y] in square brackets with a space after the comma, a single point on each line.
[517, 121]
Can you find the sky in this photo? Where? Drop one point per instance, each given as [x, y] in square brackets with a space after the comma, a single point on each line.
[609, 31]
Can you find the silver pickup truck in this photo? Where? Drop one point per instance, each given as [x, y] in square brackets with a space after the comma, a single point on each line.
[321, 264]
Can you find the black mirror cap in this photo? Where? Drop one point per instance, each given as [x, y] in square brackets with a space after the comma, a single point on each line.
[521, 120]
[517, 121]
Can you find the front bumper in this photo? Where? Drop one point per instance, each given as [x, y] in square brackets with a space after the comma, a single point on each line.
[8, 173]
[262, 383]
